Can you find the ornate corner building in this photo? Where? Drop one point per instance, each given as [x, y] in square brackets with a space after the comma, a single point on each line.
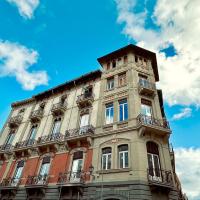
[102, 136]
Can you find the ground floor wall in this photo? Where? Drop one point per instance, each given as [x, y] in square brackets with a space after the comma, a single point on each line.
[134, 190]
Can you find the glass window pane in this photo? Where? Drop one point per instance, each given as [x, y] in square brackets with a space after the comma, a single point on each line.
[109, 113]
[109, 162]
[125, 111]
[126, 159]
[121, 160]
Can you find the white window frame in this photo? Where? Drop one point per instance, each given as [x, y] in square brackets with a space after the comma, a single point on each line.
[110, 83]
[123, 110]
[124, 159]
[110, 109]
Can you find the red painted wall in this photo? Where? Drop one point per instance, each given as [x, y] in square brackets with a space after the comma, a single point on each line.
[30, 168]
[2, 170]
[11, 170]
[58, 165]
[88, 160]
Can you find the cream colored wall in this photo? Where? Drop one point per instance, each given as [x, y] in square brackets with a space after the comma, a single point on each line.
[138, 162]
[70, 119]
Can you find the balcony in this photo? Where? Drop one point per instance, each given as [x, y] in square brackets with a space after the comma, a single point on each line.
[73, 178]
[36, 115]
[59, 108]
[82, 134]
[24, 147]
[85, 100]
[49, 141]
[37, 181]
[14, 122]
[153, 125]
[160, 178]
[10, 183]
[5, 151]
[146, 88]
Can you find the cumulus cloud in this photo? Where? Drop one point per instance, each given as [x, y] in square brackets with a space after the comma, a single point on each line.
[184, 113]
[173, 23]
[26, 8]
[15, 61]
[188, 169]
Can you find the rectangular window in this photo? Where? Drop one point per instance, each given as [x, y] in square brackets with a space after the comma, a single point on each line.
[32, 135]
[9, 140]
[56, 127]
[123, 110]
[114, 64]
[106, 158]
[122, 79]
[109, 113]
[77, 166]
[44, 170]
[18, 173]
[84, 120]
[125, 59]
[110, 83]
[123, 156]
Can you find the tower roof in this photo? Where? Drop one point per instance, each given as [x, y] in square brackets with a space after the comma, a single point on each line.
[135, 49]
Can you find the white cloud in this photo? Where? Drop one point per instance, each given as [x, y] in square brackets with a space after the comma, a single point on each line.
[184, 113]
[188, 169]
[177, 23]
[26, 7]
[15, 60]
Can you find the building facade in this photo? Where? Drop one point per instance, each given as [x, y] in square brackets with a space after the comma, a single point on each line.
[102, 136]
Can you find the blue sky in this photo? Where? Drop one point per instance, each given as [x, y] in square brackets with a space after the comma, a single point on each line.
[62, 40]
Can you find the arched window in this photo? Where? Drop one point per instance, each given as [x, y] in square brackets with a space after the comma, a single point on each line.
[123, 156]
[106, 158]
[154, 171]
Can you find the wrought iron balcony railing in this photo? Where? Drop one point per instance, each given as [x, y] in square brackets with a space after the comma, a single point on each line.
[146, 84]
[85, 130]
[85, 99]
[160, 177]
[36, 115]
[10, 182]
[73, 177]
[37, 180]
[59, 108]
[15, 121]
[149, 120]
[25, 143]
[6, 147]
[50, 138]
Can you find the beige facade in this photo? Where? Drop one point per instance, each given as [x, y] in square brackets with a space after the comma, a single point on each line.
[126, 88]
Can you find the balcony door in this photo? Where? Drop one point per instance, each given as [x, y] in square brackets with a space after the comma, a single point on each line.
[44, 170]
[77, 165]
[146, 111]
[32, 135]
[18, 173]
[56, 127]
[84, 122]
[154, 170]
